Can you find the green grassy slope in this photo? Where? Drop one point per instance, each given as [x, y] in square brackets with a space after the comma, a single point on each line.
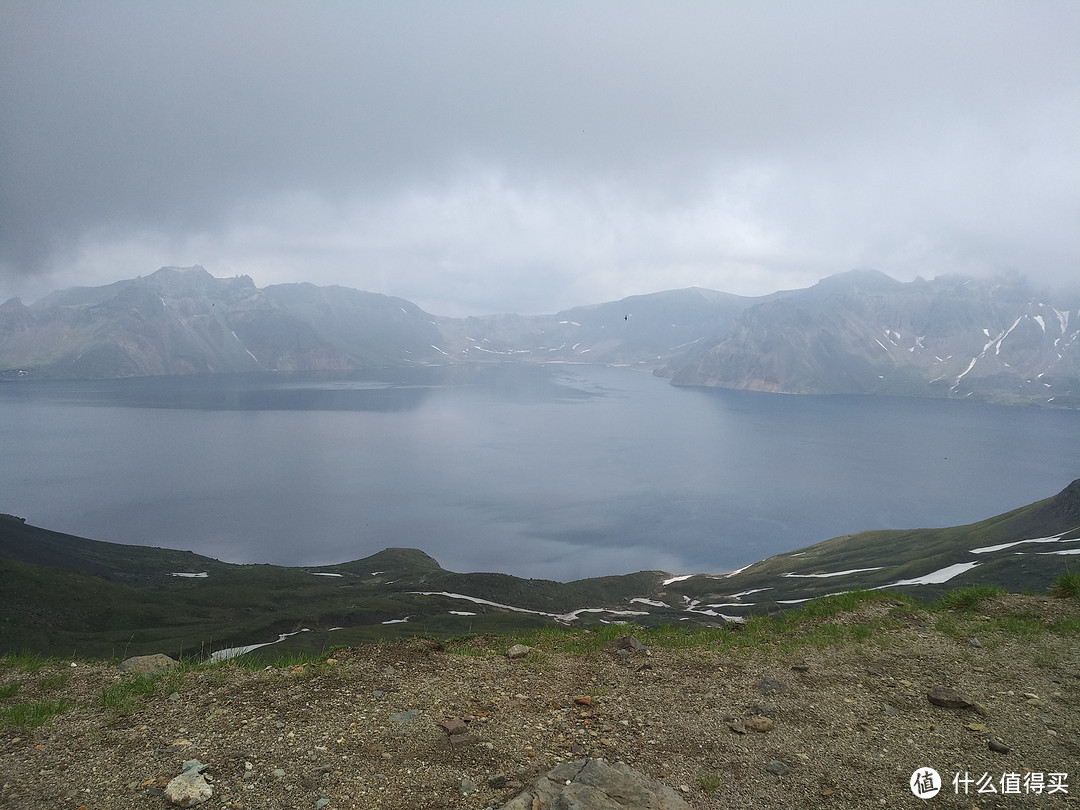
[913, 553]
[63, 595]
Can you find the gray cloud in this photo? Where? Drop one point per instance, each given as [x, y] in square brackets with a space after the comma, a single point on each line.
[484, 156]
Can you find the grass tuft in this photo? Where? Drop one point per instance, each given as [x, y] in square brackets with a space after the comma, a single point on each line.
[125, 697]
[54, 681]
[710, 781]
[31, 715]
[843, 602]
[1067, 586]
[968, 599]
[24, 662]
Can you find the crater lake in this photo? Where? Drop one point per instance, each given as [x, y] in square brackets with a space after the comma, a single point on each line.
[552, 471]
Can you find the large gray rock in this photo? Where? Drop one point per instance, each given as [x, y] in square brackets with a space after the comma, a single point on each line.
[147, 664]
[188, 789]
[593, 784]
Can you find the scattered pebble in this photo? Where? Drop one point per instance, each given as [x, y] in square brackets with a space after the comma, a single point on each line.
[777, 767]
[769, 686]
[996, 745]
[948, 698]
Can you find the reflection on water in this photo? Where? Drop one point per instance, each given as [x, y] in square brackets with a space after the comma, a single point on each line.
[548, 471]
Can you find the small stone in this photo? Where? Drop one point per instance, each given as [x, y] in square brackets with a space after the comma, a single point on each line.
[890, 710]
[404, 717]
[194, 765]
[948, 698]
[737, 726]
[147, 664]
[321, 803]
[497, 781]
[630, 645]
[467, 787]
[777, 767]
[974, 642]
[279, 773]
[997, 746]
[759, 724]
[378, 694]
[583, 700]
[873, 671]
[518, 651]
[980, 709]
[458, 740]
[800, 667]
[770, 686]
[454, 726]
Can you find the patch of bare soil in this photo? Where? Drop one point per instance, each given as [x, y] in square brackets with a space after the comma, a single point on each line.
[837, 726]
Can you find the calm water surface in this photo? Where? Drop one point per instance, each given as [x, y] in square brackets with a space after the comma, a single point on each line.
[543, 471]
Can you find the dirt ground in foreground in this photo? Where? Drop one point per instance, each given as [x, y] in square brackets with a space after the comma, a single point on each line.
[822, 727]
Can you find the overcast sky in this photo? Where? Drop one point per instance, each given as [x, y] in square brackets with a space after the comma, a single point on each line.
[480, 157]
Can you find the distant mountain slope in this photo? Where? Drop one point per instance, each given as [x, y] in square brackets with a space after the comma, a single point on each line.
[862, 332]
[60, 593]
[857, 332]
[183, 320]
[642, 329]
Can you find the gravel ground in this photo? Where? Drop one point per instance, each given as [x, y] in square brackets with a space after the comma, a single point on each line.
[836, 726]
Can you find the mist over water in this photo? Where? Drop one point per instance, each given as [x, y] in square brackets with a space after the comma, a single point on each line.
[552, 471]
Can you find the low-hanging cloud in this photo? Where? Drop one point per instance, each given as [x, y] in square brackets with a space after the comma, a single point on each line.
[483, 157]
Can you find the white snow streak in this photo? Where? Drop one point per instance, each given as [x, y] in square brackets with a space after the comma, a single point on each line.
[935, 577]
[678, 578]
[833, 574]
[562, 617]
[232, 652]
[653, 602]
[1002, 546]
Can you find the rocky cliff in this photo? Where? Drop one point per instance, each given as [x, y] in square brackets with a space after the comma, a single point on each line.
[865, 333]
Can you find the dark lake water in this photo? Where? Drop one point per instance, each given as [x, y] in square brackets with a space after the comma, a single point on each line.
[554, 471]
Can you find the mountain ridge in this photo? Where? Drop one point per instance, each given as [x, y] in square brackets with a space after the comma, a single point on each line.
[860, 332]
